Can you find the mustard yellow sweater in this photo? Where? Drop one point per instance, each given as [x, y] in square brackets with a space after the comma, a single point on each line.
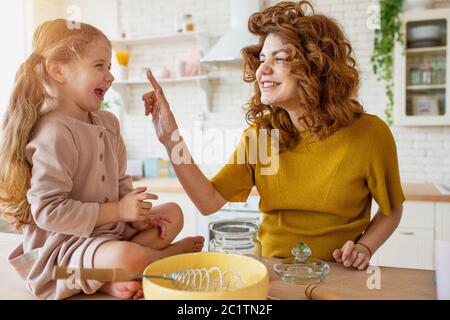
[322, 192]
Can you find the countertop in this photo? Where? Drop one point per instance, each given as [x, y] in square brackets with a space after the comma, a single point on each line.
[414, 191]
[347, 283]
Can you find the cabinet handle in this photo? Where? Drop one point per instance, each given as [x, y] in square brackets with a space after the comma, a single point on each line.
[405, 233]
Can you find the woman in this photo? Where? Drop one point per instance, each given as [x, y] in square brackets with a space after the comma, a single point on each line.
[333, 157]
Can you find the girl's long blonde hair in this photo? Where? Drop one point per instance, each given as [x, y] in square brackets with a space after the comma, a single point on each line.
[57, 40]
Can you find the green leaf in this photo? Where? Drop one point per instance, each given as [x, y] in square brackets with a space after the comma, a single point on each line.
[384, 42]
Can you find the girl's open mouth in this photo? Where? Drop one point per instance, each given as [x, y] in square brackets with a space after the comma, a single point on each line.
[100, 93]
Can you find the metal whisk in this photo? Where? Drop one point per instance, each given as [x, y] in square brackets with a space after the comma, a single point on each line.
[202, 279]
[213, 279]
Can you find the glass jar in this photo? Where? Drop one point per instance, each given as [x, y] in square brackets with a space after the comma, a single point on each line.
[427, 72]
[235, 236]
[188, 23]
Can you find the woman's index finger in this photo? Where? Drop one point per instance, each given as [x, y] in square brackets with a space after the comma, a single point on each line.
[156, 86]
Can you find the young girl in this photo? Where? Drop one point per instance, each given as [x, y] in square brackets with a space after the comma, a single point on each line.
[62, 174]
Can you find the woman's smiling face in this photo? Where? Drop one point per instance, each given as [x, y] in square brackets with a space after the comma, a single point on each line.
[278, 85]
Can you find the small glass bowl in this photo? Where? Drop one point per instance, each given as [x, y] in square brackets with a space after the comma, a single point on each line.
[302, 269]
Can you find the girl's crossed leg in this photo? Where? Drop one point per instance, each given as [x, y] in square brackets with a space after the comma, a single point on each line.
[143, 248]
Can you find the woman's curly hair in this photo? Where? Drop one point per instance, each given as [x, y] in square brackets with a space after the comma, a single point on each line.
[322, 62]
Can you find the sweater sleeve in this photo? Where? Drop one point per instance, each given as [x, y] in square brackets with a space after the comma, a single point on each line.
[125, 180]
[383, 176]
[52, 153]
[236, 179]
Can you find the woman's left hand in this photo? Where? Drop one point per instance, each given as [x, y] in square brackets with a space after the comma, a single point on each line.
[353, 255]
[153, 221]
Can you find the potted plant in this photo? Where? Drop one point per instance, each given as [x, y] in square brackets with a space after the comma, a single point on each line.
[385, 38]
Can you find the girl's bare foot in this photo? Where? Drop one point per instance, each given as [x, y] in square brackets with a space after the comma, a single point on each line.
[188, 244]
[123, 290]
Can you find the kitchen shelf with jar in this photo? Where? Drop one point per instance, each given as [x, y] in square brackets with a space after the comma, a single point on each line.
[202, 81]
[421, 76]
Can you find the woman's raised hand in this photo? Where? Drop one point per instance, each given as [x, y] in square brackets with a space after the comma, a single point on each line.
[156, 104]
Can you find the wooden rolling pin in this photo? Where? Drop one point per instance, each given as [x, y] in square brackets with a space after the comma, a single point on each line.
[102, 275]
[316, 292]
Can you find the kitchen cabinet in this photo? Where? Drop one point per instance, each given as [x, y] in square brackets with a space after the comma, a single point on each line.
[412, 243]
[442, 221]
[201, 40]
[421, 70]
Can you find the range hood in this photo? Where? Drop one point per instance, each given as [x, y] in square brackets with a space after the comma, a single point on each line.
[229, 47]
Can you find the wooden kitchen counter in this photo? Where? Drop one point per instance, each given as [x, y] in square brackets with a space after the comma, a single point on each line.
[347, 283]
[414, 191]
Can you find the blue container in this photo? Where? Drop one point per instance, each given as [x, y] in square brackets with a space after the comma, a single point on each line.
[171, 171]
[151, 167]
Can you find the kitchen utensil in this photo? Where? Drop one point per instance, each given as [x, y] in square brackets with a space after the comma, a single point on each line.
[213, 279]
[302, 268]
[316, 292]
[253, 273]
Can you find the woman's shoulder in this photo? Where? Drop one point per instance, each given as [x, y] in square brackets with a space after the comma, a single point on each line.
[371, 125]
[373, 133]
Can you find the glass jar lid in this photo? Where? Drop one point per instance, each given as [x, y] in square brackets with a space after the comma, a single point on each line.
[302, 268]
[234, 228]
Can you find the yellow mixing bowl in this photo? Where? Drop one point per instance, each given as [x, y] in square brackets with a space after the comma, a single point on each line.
[253, 273]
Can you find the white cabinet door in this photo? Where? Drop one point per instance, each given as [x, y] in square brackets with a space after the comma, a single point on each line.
[442, 223]
[417, 214]
[409, 248]
[188, 208]
[412, 244]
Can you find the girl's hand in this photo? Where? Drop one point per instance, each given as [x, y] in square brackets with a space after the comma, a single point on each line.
[156, 104]
[152, 221]
[133, 208]
[353, 255]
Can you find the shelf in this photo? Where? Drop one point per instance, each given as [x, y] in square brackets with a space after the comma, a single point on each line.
[426, 50]
[203, 82]
[417, 104]
[427, 87]
[158, 38]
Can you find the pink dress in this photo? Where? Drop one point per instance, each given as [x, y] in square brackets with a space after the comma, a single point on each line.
[76, 166]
